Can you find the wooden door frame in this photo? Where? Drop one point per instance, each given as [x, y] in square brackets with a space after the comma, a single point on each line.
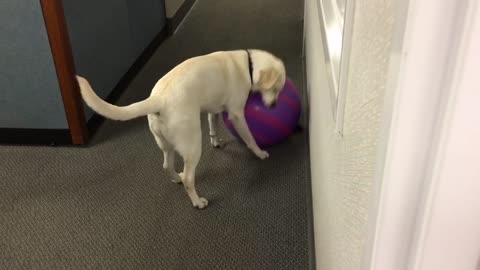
[59, 40]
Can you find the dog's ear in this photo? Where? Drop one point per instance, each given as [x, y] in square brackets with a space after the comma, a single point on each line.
[267, 78]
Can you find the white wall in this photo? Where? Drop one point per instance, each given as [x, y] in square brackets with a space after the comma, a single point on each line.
[343, 167]
[451, 225]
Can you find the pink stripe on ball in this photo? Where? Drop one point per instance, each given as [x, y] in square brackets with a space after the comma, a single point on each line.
[271, 126]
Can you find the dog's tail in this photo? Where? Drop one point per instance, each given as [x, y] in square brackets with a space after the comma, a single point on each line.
[144, 107]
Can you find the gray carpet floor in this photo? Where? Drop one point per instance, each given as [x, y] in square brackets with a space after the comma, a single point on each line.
[110, 206]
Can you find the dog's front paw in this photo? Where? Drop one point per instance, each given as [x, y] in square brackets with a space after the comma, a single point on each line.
[216, 142]
[201, 203]
[261, 154]
[179, 178]
[176, 180]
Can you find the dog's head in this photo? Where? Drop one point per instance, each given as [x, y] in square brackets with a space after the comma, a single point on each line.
[268, 76]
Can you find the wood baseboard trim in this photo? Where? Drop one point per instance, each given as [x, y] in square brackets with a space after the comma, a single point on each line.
[28, 136]
[96, 120]
[176, 20]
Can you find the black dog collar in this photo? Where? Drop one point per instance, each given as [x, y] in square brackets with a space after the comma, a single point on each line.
[250, 67]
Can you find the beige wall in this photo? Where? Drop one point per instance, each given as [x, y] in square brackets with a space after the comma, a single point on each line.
[343, 167]
[171, 7]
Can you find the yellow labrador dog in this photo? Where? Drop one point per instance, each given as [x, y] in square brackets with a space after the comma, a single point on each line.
[212, 83]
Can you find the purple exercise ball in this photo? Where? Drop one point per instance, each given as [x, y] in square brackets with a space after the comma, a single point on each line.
[270, 126]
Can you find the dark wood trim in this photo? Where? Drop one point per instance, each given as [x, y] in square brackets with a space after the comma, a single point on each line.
[24, 136]
[96, 120]
[174, 22]
[65, 68]
[63, 136]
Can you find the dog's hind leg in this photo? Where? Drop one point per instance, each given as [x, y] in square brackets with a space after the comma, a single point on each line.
[168, 152]
[213, 119]
[169, 165]
[188, 143]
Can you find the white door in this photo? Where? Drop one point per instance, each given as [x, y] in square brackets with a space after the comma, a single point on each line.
[428, 208]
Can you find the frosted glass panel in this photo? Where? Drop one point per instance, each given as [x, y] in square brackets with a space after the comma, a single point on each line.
[333, 13]
[337, 24]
